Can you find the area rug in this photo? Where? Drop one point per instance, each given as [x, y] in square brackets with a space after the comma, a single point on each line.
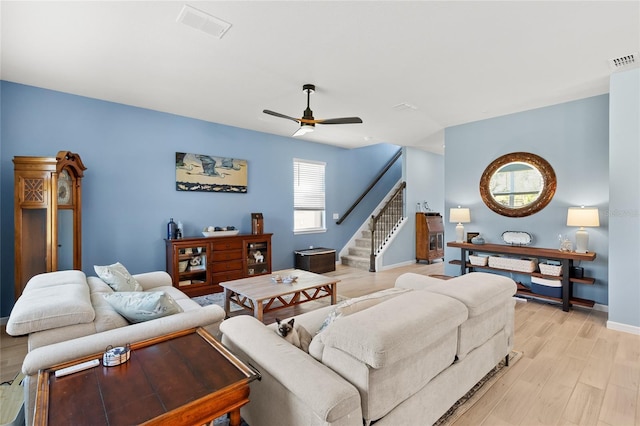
[218, 299]
[465, 403]
[214, 299]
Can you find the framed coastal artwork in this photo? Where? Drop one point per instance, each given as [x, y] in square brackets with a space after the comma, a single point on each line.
[207, 173]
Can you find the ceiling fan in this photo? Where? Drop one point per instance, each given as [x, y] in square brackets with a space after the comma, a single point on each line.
[307, 122]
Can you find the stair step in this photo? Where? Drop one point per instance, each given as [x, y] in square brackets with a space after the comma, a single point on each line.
[364, 252]
[356, 262]
[363, 242]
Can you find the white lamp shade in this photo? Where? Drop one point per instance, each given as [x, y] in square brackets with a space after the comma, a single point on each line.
[581, 216]
[459, 215]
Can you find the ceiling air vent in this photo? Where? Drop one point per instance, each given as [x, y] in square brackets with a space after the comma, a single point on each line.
[203, 21]
[624, 61]
[404, 106]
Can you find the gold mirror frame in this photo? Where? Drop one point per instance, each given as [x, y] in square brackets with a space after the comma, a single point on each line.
[546, 194]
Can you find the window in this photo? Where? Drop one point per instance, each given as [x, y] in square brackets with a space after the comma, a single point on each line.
[308, 196]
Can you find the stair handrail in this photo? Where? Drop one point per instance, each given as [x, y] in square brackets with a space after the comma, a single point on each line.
[386, 168]
[395, 202]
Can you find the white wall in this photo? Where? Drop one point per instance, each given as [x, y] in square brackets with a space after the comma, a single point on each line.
[624, 201]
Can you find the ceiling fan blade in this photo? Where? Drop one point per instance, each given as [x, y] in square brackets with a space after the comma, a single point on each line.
[277, 114]
[344, 120]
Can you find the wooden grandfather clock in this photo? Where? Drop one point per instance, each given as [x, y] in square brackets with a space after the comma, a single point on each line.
[47, 215]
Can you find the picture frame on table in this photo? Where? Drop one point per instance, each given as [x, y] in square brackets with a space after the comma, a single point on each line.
[471, 235]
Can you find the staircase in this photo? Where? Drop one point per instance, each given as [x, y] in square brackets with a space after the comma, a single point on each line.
[384, 224]
[359, 254]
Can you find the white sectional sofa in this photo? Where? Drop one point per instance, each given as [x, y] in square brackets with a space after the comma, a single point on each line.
[67, 317]
[401, 356]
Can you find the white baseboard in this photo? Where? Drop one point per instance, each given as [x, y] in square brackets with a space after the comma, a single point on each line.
[601, 308]
[398, 265]
[3, 320]
[612, 325]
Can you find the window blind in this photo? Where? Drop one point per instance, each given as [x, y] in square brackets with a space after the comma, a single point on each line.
[308, 185]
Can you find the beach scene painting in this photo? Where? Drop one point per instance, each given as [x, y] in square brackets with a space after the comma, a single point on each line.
[206, 173]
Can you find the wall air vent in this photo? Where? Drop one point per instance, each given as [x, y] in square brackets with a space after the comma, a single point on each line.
[203, 21]
[624, 61]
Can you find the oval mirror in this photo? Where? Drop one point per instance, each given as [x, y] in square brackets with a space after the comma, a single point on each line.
[518, 184]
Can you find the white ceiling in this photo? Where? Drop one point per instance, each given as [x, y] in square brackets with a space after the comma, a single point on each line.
[455, 62]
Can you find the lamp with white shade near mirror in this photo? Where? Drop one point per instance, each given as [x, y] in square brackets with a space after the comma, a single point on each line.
[581, 216]
[460, 215]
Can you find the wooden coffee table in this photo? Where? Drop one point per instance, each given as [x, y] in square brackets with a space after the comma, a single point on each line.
[261, 295]
[184, 378]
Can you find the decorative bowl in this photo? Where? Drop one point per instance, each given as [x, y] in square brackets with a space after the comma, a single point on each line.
[287, 279]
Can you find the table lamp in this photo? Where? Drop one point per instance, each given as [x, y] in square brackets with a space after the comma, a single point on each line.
[581, 216]
[460, 215]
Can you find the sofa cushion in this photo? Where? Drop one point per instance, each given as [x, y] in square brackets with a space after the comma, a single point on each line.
[143, 306]
[118, 278]
[479, 291]
[416, 281]
[391, 331]
[348, 307]
[51, 300]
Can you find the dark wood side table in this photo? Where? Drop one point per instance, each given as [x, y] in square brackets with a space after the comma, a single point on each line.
[184, 378]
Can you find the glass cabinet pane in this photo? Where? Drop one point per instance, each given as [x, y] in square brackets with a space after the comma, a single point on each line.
[192, 265]
[257, 258]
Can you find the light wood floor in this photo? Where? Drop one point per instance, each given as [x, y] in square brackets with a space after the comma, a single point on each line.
[574, 371]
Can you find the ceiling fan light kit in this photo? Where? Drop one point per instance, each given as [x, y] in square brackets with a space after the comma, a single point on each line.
[307, 122]
[304, 129]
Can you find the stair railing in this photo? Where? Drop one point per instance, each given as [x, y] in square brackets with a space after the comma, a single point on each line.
[383, 224]
[395, 157]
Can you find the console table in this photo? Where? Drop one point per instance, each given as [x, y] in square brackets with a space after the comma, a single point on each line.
[564, 257]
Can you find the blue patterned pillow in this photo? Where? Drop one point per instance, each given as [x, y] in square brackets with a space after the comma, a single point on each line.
[140, 306]
[118, 278]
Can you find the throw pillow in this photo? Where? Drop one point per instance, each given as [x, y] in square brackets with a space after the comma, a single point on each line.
[118, 278]
[333, 315]
[357, 304]
[139, 306]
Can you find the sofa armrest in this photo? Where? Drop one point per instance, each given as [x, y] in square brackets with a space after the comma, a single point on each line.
[57, 353]
[150, 280]
[304, 379]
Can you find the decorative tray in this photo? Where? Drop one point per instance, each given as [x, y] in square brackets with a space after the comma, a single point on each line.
[517, 238]
[220, 233]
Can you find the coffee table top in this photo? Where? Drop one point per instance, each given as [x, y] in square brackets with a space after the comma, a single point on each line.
[262, 287]
[186, 377]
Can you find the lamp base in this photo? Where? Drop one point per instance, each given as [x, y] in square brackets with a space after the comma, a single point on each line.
[459, 233]
[582, 241]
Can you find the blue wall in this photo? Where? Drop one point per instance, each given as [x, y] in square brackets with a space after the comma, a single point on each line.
[624, 209]
[573, 137]
[129, 186]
